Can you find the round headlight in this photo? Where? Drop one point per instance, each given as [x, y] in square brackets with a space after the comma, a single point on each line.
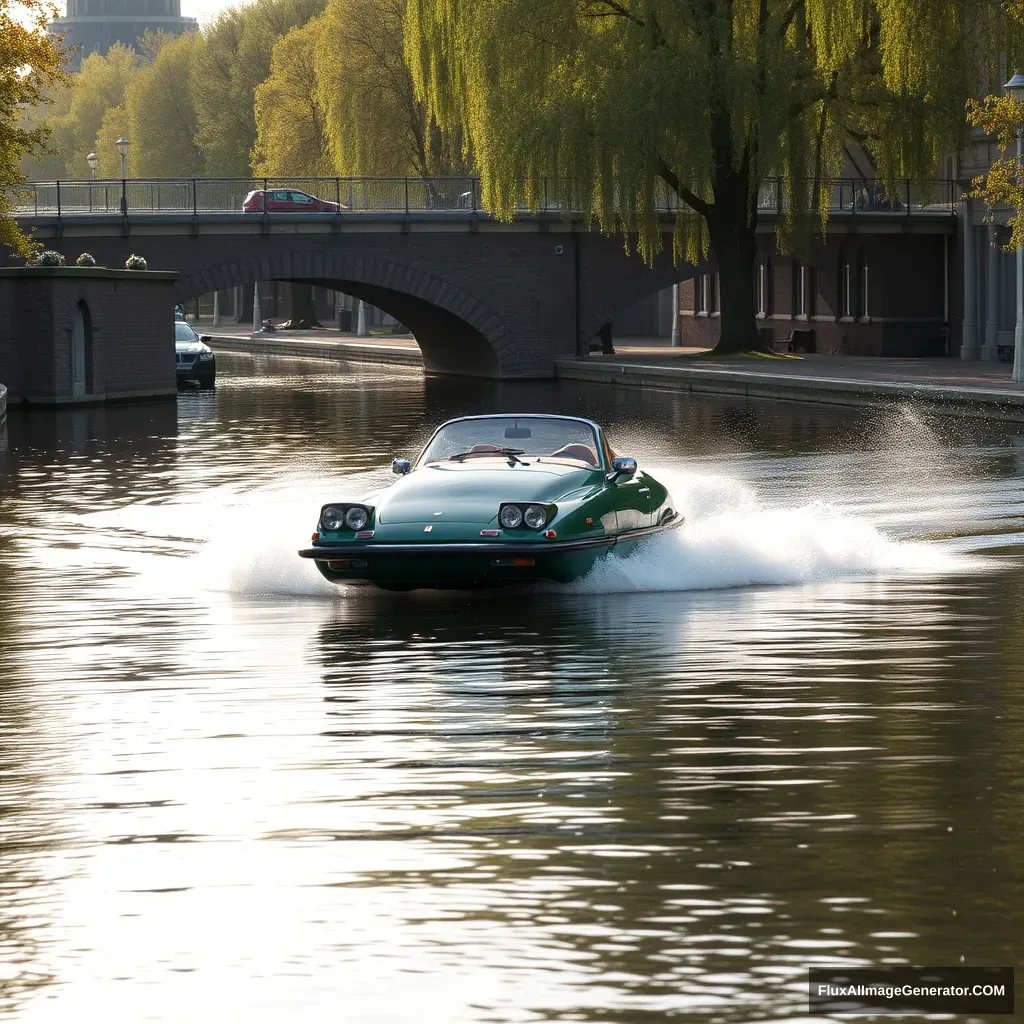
[510, 517]
[332, 519]
[356, 518]
[535, 516]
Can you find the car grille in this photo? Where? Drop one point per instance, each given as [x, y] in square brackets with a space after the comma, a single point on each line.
[185, 360]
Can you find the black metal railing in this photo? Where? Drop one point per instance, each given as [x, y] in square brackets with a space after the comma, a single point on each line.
[195, 196]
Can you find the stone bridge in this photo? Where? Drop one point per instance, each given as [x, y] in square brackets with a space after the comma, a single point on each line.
[482, 298]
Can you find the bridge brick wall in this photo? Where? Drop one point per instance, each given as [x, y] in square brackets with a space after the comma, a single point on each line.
[495, 302]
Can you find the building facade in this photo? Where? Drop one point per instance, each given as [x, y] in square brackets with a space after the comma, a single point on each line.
[93, 26]
[873, 286]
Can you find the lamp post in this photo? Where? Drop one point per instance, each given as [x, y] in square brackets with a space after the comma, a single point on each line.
[1014, 88]
[93, 161]
[122, 149]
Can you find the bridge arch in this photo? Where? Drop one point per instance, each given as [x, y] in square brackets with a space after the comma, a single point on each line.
[616, 293]
[456, 331]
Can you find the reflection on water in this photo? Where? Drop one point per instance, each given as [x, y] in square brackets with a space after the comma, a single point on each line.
[229, 792]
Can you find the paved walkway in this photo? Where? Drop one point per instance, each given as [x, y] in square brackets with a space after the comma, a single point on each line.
[971, 388]
[952, 371]
[328, 334]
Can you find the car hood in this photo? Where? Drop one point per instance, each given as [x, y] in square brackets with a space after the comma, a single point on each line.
[454, 492]
[190, 348]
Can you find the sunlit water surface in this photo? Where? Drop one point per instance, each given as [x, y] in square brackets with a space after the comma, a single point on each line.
[790, 735]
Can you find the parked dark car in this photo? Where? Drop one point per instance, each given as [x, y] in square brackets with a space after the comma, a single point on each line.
[287, 200]
[196, 361]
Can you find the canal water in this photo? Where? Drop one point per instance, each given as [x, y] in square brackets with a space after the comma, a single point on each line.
[791, 735]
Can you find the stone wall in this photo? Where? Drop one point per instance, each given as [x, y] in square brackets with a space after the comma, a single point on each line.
[79, 335]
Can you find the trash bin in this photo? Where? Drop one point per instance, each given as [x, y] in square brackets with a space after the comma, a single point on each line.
[345, 321]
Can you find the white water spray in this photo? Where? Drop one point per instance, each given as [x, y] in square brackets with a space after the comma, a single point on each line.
[732, 537]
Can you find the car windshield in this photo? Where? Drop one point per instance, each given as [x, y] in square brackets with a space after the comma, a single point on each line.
[182, 332]
[524, 436]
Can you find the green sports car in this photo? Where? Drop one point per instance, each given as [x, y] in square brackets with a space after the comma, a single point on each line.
[494, 500]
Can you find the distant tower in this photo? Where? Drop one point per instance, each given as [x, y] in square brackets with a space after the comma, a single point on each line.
[93, 26]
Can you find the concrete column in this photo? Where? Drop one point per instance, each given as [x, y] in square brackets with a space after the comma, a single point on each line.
[361, 330]
[990, 348]
[677, 336]
[257, 315]
[216, 309]
[969, 345]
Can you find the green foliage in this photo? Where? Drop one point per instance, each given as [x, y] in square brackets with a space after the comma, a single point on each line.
[114, 125]
[100, 85]
[290, 123]
[49, 258]
[622, 98]
[377, 126]
[1003, 185]
[234, 58]
[159, 115]
[30, 62]
[86, 260]
[135, 262]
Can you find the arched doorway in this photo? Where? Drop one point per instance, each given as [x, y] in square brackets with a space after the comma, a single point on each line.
[81, 345]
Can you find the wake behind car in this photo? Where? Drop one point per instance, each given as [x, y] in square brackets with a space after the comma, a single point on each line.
[195, 360]
[494, 500]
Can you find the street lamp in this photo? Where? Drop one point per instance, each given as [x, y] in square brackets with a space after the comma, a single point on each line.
[93, 161]
[122, 148]
[1014, 88]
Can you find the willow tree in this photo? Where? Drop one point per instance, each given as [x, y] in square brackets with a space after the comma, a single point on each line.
[225, 69]
[704, 100]
[376, 125]
[289, 119]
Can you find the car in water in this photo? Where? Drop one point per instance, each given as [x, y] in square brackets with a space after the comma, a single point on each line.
[196, 363]
[287, 200]
[494, 500]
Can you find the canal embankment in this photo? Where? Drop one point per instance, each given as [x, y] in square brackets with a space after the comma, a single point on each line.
[979, 389]
[966, 388]
[400, 350]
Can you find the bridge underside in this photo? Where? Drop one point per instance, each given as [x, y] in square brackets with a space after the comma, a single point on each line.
[450, 346]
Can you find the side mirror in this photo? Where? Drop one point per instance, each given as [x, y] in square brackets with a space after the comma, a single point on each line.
[622, 466]
[401, 467]
[205, 338]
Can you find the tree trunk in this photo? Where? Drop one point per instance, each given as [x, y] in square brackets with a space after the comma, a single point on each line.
[303, 316]
[734, 244]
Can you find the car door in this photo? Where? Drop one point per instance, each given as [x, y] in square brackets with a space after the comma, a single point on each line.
[279, 201]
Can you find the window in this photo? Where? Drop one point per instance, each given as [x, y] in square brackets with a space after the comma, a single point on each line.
[799, 288]
[762, 286]
[862, 285]
[705, 295]
[300, 197]
[844, 286]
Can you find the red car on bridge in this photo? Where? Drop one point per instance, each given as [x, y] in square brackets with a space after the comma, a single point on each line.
[287, 200]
